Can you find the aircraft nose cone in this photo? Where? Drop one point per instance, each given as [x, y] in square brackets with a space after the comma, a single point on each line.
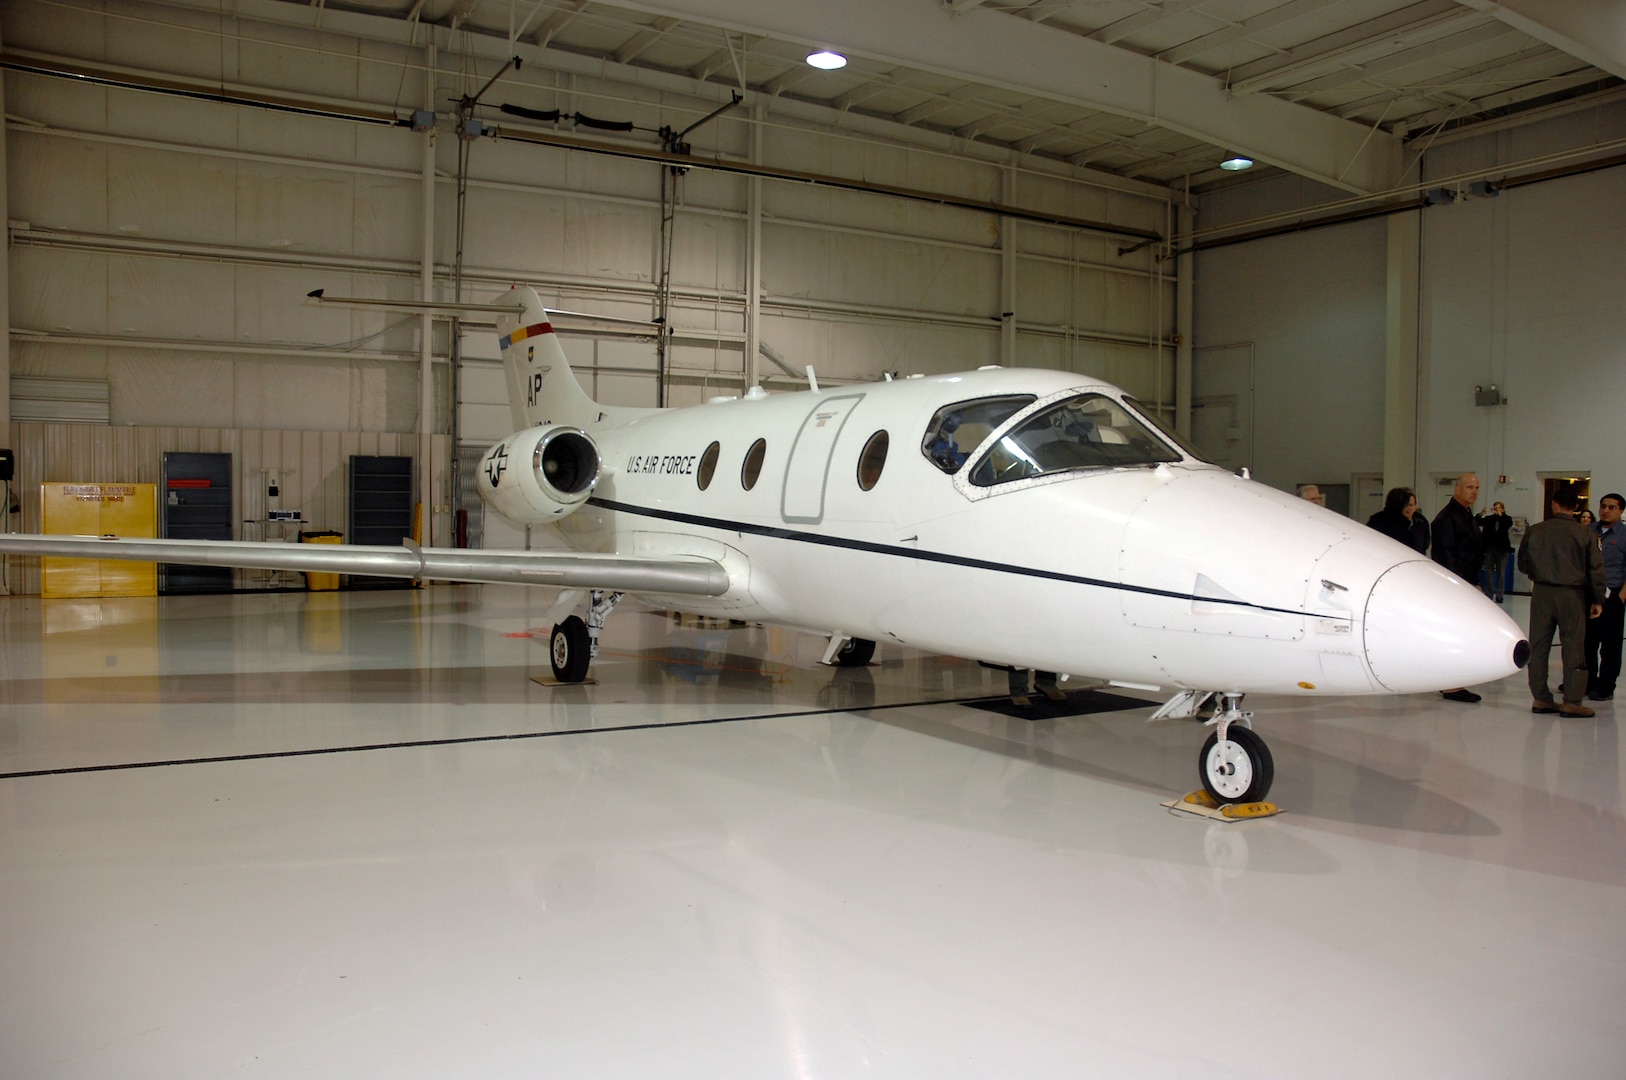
[1427, 629]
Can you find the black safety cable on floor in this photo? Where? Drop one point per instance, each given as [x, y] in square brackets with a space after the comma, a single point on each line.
[470, 740]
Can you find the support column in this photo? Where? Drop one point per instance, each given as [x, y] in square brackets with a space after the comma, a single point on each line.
[5, 304]
[426, 325]
[5, 343]
[1007, 273]
[753, 257]
[1185, 319]
[1400, 387]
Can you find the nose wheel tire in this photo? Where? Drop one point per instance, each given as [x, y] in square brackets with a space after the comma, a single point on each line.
[570, 649]
[1237, 770]
[856, 652]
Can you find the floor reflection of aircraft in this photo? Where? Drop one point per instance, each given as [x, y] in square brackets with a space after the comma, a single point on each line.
[1030, 518]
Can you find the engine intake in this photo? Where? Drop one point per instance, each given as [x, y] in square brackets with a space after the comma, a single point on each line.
[539, 475]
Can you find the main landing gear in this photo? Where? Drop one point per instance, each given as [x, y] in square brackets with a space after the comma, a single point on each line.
[1235, 764]
[573, 645]
[846, 651]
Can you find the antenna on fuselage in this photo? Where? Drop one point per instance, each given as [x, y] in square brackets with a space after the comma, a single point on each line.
[812, 379]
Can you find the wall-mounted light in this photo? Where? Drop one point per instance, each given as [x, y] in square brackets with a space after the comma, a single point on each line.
[827, 60]
[1236, 163]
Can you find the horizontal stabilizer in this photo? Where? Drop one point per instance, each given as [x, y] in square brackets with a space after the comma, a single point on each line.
[673, 575]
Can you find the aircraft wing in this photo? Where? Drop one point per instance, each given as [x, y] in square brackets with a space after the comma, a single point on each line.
[665, 575]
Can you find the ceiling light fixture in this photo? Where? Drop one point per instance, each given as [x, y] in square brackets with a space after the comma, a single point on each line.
[1236, 163]
[827, 60]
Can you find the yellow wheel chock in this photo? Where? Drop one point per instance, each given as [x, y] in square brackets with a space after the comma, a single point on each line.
[1201, 804]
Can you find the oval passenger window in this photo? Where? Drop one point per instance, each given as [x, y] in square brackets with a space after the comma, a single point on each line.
[753, 464]
[872, 460]
[708, 466]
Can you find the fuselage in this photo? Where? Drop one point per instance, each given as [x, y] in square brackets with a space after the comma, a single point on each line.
[1167, 573]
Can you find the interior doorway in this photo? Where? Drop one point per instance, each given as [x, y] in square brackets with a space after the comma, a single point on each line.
[1366, 495]
[1578, 481]
[1334, 497]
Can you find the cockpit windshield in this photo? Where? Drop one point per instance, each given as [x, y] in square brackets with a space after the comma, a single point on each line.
[958, 429]
[1090, 431]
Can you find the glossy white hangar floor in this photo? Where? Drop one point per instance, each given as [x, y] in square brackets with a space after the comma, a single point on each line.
[345, 835]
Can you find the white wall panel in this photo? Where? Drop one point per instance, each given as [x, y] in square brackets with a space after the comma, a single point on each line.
[57, 183]
[170, 390]
[1312, 304]
[59, 291]
[291, 56]
[289, 394]
[183, 121]
[171, 196]
[1524, 291]
[59, 361]
[36, 25]
[169, 298]
[284, 208]
[386, 218]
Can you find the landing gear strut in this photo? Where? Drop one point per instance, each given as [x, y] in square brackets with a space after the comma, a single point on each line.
[844, 651]
[573, 644]
[1235, 763]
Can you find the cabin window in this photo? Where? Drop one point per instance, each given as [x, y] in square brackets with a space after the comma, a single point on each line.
[707, 467]
[752, 468]
[956, 430]
[872, 460]
[1090, 431]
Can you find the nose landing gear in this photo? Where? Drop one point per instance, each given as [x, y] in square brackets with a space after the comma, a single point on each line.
[1235, 764]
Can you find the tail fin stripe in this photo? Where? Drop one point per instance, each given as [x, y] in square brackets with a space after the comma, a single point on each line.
[524, 332]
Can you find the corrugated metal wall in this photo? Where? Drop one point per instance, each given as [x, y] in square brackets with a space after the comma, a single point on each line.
[309, 468]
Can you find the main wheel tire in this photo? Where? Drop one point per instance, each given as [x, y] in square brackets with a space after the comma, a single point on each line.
[855, 652]
[570, 649]
[1238, 770]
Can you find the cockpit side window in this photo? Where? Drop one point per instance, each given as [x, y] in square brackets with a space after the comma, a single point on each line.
[1090, 431]
[958, 429]
[1150, 415]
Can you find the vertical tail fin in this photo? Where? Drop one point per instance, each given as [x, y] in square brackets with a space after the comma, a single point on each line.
[541, 387]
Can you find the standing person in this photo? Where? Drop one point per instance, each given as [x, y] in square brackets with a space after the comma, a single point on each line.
[1603, 634]
[1311, 493]
[1562, 560]
[1585, 518]
[1457, 548]
[1494, 527]
[1044, 682]
[1399, 519]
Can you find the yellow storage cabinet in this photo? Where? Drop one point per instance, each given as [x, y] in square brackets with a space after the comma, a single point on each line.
[128, 510]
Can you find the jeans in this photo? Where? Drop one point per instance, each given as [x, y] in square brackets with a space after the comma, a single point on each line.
[1495, 571]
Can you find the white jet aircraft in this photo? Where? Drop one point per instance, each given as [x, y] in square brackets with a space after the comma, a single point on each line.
[1037, 519]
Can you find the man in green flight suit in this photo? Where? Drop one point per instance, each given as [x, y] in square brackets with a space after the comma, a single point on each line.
[1561, 558]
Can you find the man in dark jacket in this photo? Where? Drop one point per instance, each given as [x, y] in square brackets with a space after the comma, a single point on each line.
[1562, 560]
[1494, 528]
[1459, 548]
[1457, 543]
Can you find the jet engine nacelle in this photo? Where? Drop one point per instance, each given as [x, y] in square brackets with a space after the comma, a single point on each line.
[539, 475]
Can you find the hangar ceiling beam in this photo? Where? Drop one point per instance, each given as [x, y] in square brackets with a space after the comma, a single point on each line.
[1592, 30]
[1278, 69]
[989, 47]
